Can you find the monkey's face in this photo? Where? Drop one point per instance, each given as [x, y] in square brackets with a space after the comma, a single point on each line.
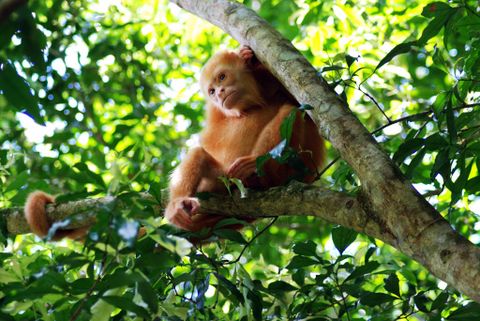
[230, 85]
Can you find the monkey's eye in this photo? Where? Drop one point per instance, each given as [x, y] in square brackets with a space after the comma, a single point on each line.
[211, 91]
[221, 77]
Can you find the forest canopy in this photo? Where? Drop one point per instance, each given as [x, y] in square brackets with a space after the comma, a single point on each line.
[101, 98]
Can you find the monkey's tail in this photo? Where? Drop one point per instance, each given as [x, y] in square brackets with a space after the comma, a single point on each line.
[36, 216]
[35, 212]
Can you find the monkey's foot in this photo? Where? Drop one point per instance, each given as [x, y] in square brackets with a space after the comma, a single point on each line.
[180, 210]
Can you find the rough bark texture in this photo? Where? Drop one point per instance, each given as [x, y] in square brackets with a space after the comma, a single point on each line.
[414, 226]
[295, 199]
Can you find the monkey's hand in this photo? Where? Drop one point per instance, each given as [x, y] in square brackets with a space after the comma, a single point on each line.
[180, 211]
[248, 56]
[243, 167]
[246, 53]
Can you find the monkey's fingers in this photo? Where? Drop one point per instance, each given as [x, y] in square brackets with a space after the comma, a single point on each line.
[205, 220]
[246, 53]
[243, 167]
[183, 220]
[190, 205]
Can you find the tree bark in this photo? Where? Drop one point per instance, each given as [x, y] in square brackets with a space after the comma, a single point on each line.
[413, 225]
[296, 199]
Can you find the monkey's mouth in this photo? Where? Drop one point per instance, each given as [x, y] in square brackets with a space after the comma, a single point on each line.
[225, 99]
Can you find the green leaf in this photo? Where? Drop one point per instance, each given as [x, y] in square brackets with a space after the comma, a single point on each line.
[440, 302]
[127, 305]
[435, 9]
[307, 248]
[19, 181]
[408, 148]
[416, 161]
[94, 177]
[435, 26]
[469, 312]
[281, 286]
[397, 50]
[421, 302]
[369, 253]
[435, 142]
[228, 222]
[299, 277]
[149, 296]
[342, 237]
[350, 60]
[301, 261]
[240, 186]
[256, 303]
[231, 235]
[331, 68]
[82, 285]
[286, 128]
[230, 287]
[391, 284]
[441, 165]
[373, 299]
[33, 40]
[363, 270]
[17, 91]
[260, 162]
[117, 279]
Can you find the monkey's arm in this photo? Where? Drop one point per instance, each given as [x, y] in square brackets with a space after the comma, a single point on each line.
[244, 166]
[197, 172]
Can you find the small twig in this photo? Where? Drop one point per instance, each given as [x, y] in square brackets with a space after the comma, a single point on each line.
[403, 119]
[328, 166]
[253, 239]
[100, 277]
[375, 102]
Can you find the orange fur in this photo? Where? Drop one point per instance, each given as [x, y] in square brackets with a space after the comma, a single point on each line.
[245, 108]
[36, 216]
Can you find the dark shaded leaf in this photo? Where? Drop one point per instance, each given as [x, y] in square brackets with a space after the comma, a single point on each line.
[469, 312]
[230, 287]
[391, 284]
[373, 299]
[281, 286]
[127, 305]
[257, 304]
[397, 50]
[301, 261]
[362, 270]
[307, 248]
[342, 237]
[286, 127]
[17, 91]
[231, 235]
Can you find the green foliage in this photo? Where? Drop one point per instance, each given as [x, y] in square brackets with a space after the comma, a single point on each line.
[115, 86]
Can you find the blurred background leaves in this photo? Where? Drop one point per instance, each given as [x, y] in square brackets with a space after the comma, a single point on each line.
[101, 97]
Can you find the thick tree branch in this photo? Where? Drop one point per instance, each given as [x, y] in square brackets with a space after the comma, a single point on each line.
[296, 199]
[416, 228]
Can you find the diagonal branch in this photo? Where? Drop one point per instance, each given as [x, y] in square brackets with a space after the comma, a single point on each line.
[416, 228]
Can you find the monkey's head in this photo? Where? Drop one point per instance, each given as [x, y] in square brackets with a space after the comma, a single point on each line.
[229, 84]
